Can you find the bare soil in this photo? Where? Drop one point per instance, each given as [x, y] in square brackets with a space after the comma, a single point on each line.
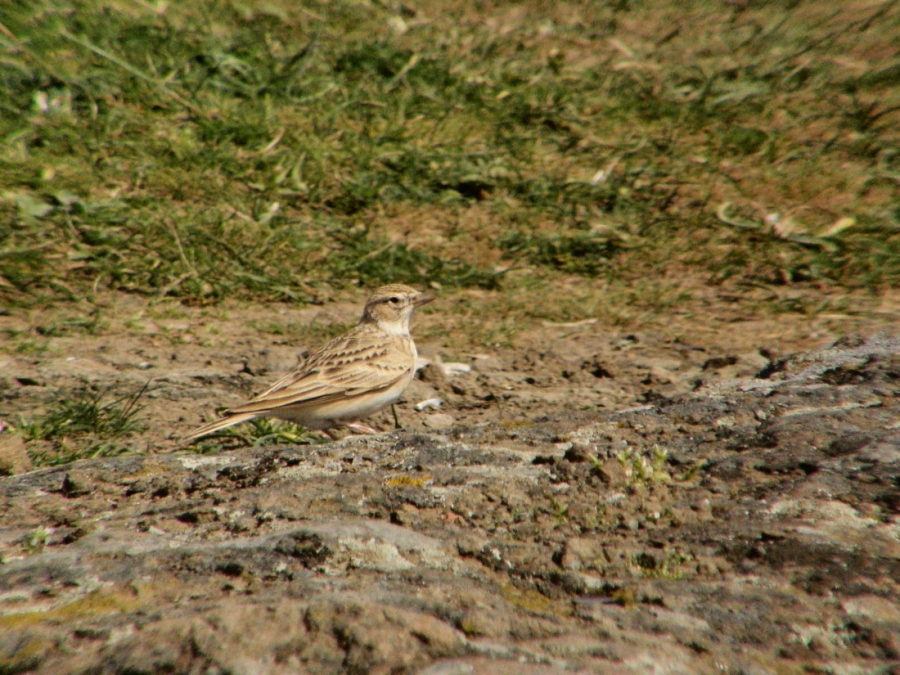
[680, 495]
[195, 360]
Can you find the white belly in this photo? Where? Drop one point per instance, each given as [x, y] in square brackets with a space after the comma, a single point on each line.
[356, 407]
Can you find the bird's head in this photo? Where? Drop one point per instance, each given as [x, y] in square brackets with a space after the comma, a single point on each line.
[392, 306]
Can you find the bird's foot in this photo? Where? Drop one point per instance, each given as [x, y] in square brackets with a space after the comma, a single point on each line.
[360, 428]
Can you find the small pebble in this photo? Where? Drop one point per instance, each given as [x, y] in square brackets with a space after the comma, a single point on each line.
[428, 403]
[439, 421]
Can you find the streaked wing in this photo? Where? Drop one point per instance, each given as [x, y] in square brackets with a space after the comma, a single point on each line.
[350, 365]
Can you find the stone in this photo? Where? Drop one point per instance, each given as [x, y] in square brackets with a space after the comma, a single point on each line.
[438, 421]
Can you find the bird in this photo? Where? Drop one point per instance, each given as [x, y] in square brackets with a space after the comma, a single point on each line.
[351, 377]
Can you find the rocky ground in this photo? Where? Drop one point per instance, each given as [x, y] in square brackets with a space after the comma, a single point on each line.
[625, 507]
[656, 426]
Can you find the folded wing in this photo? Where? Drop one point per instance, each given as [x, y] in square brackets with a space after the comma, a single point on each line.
[345, 367]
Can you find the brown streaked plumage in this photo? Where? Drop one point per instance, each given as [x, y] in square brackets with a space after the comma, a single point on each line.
[353, 376]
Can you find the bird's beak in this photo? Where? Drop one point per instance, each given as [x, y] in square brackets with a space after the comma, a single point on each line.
[423, 299]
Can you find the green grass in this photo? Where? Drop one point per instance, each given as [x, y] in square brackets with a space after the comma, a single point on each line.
[82, 425]
[206, 150]
[263, 431]
[583, 253]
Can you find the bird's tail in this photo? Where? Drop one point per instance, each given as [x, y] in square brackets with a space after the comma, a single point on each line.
[212, 427]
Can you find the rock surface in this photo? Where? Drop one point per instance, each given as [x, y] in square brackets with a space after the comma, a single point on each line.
[750, 526]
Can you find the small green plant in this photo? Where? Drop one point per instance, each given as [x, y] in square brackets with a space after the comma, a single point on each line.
[668, 566]
[560, 512]
[259, 432]
[642, 469]
[692, 471]
[36, 540]
[82, 426]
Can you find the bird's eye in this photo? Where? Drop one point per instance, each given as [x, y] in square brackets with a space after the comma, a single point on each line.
[394, 301]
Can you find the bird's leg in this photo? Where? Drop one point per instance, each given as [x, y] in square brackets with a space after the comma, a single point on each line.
[327, 432]
[396, 421]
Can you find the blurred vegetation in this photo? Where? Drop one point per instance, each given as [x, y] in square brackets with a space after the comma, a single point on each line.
[266, 149]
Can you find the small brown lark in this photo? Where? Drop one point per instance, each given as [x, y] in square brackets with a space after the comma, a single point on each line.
[351, 377]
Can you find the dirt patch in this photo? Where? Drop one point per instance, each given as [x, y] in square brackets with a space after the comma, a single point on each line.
[194, 360]
[600, 503]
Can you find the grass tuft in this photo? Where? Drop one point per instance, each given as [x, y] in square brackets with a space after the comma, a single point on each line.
[81, 426]
[578, 253]
[263, 431]
[644, 469]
